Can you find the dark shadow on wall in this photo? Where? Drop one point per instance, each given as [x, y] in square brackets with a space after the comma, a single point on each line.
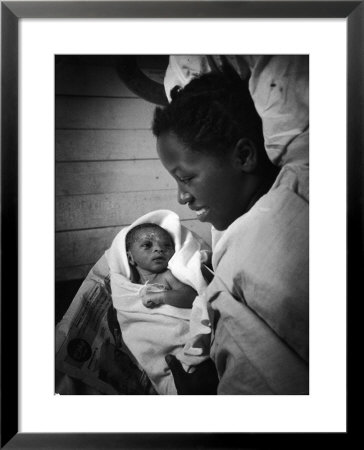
[64, 294]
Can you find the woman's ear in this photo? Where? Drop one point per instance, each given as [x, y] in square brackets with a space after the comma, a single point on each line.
[245, 155]
[130, 258]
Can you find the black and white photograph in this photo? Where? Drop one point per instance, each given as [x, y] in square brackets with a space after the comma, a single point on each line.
[182, 224]
[165, 280]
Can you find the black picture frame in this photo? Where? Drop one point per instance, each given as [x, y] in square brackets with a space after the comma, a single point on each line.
[11, 12]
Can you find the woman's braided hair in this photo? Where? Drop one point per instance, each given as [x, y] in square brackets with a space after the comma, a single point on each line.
[211, 113]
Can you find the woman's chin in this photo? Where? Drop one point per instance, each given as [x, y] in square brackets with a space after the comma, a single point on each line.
[220, 225]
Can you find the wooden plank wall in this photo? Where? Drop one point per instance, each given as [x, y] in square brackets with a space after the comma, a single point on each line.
[107, 170]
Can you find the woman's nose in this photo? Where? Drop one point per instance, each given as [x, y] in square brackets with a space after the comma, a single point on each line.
[183, 197]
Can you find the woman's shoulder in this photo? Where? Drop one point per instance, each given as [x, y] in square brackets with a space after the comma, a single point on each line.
[295, 178]
[279, 213]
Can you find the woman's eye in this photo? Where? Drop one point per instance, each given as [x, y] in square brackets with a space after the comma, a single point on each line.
[184, 180]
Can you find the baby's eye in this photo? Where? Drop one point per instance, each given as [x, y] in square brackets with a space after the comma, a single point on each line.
[146, 244]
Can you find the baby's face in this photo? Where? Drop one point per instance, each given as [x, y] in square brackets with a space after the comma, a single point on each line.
[151, 250]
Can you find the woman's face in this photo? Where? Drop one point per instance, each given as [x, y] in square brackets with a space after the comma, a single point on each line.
[211, 187]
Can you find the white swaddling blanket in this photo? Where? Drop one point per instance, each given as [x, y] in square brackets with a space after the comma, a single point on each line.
[152, 333]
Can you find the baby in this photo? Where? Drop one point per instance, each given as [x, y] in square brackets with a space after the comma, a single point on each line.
[149, 248]
[157, 291]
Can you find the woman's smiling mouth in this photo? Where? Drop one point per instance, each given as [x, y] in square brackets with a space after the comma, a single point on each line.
[201, 213]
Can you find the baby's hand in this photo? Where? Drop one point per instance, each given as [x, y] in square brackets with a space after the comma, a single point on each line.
[151, 300]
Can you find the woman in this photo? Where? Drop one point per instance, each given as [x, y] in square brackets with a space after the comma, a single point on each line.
[210, 140]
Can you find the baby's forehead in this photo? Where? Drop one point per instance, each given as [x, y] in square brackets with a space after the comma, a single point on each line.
[152, 233]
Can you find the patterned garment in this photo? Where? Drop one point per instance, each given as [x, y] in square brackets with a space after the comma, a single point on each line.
[91, 356]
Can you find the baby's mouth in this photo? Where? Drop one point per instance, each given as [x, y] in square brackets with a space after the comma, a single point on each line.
[159, 259]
